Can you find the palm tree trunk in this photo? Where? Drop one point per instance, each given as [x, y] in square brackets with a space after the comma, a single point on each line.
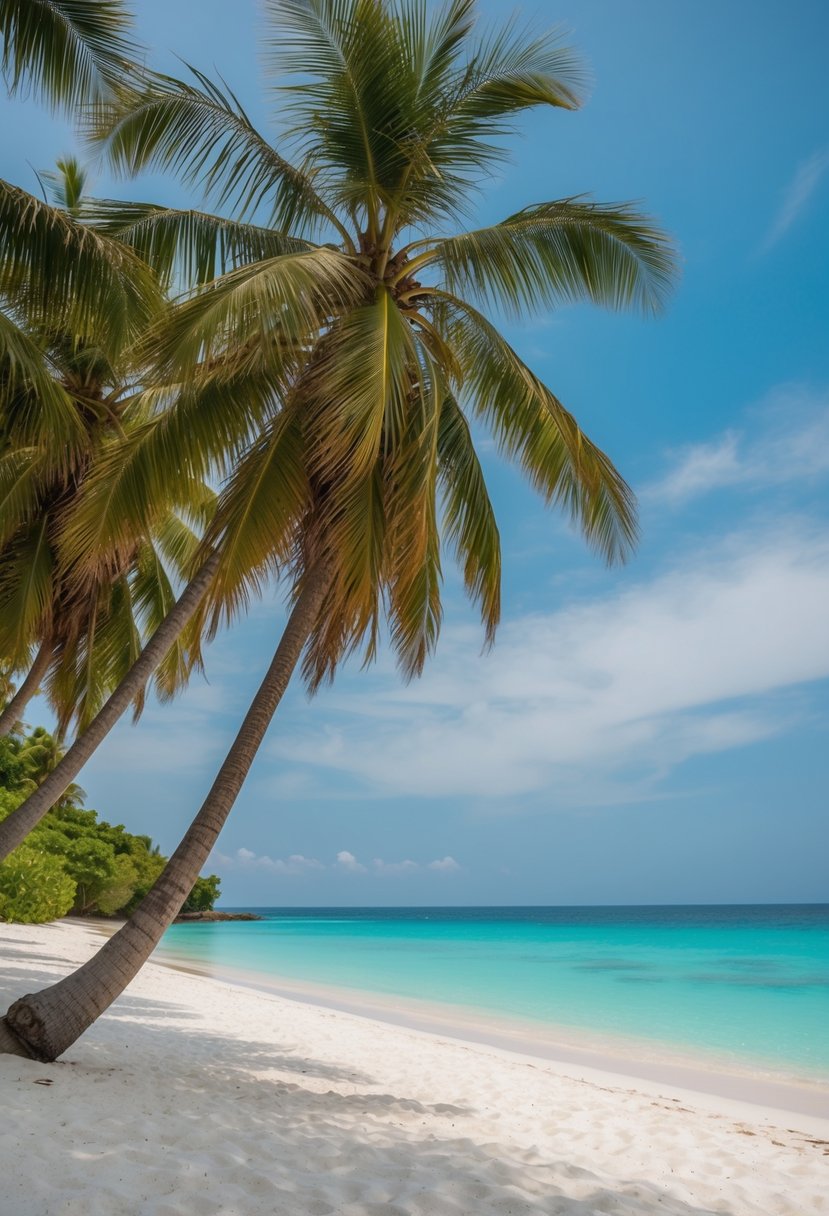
[45, 1024]
[15, 709]
[17, 826]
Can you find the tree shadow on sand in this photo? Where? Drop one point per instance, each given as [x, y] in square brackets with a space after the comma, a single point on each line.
[272, 1144]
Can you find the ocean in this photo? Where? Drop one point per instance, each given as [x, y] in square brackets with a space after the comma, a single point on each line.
[741, 986]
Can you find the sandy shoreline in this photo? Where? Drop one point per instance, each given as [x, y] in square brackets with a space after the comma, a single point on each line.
[651, 1067]
[197, 1095]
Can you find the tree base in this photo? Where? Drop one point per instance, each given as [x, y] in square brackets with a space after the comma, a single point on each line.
[11, 1045]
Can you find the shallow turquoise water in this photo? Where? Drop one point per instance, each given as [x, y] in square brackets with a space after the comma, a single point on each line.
[750, 984]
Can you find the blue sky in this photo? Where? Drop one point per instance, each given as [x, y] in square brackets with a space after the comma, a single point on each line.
[655, 734]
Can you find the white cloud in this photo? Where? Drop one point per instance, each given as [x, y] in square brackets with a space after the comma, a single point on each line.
[446, 865]
[392, 868]
[786, 439]
[598, 699]
[349, 862]
[798, 193]
[246, 859]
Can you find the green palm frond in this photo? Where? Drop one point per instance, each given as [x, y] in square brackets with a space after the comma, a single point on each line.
[20, 482]
[67, 184]
[412, 569]
[367, 364]
[62, 275]
[92, 660]
[468, 517]
[472, 104]
[25, 594]
[258, 516]
[510, 71]
[532, 427]
[68, 52]
[347, 106]
[201, 132]
[561, 251]
[179, 435]
[187, 248]
[259, 309]
[36, 408]
[154, 595]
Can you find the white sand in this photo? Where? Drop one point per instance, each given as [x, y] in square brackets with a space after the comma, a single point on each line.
[198, 1098]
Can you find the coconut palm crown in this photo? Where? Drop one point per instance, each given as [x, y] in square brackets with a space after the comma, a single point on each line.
[68, 394]
[348, 325]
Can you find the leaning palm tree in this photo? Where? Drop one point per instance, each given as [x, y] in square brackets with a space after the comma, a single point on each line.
[365, 323]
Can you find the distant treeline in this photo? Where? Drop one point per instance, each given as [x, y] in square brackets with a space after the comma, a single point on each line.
[73, 862]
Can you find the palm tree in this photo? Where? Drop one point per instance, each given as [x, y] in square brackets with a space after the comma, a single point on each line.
[85, 633]
[59, 275]
[360, 336]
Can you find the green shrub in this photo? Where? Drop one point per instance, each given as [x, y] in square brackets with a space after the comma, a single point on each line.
[34, 887]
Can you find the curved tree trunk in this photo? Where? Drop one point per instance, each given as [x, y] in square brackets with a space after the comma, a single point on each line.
[43, 1025]
[17, 826]
[15, 709]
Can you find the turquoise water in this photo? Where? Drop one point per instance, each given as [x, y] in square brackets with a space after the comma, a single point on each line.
[750, 984]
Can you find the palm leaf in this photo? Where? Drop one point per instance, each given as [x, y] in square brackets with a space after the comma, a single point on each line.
[532, 427]
[201, 132]
[20, 483]
[468, 517]
[258, 516]
[26, 591]
[188, 247]
[561, 251]
[262, 308]
[60, 274]
[37, 411]
[412, 570]
[68, 52]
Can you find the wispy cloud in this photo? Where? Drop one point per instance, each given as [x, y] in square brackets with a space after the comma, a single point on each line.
[785, 439]
[297, 865]
[597, 702]
[798, 193]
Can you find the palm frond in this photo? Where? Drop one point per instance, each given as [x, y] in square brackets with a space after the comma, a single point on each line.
[262, 308]
[188, 248]
[92, 660]
[412, 569]
[562, 251]
[201, 132]
[367, 364]
[258, 516]
[26, 591]
[351, 74]
[37, 411]
[20, 483]
[471, 94]
[62, 275]
[532, 427]
[468, 517]
[154, 596]
[179, 435]
[68, 52]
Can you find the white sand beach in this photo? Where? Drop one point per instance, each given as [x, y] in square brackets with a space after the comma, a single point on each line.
[197, 1096]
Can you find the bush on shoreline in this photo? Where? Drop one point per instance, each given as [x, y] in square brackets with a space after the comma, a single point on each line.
[74, 863]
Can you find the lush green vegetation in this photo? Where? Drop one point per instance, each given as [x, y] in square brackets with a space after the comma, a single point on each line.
[74, 862]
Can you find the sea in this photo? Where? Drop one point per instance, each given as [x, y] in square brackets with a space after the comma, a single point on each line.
[739, 986]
